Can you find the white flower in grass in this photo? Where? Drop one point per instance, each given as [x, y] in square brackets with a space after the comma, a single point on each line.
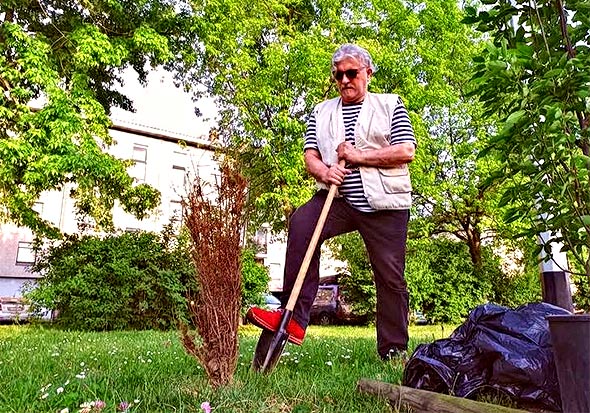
[82, 364]
[59, 390]
[329, 363]
[81, 375]
[66, 410]
[46, 395]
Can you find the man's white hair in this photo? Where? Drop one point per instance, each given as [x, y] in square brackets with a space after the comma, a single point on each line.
[354, 51]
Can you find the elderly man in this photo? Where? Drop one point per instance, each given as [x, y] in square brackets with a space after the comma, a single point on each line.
[373, 135]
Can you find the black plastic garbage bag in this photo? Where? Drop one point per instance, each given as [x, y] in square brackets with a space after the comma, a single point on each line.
[504, 350]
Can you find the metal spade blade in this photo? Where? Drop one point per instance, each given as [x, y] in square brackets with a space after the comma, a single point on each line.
[261, 353]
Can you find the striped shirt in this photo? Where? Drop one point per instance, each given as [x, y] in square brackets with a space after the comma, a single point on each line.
[352, 186]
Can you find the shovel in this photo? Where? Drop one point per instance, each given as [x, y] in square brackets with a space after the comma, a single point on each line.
[271, 344]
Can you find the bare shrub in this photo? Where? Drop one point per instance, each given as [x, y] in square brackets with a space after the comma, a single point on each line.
[213, 215]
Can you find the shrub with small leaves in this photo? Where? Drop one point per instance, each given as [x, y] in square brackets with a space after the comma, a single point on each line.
[126, 281]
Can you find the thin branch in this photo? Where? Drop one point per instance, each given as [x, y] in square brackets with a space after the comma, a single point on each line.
[571, 53]
[542, 29]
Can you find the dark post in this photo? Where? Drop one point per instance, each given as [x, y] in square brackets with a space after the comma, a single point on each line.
[555, 280]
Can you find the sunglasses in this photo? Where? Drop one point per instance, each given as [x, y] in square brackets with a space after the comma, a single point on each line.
[350, 74]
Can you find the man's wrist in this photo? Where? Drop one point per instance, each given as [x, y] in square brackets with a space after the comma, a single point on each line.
[325, 174]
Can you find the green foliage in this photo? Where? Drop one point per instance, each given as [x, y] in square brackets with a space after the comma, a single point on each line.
[357, 283]
[67, 58]
[442, 281]
[534, 75]
[581, 290]
[268, 63]
[255, 279]
[445, 285]
[582, 295]
[514, 274]
[127, 281]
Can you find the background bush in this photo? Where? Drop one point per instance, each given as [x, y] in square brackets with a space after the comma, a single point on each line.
[255, 279]
[581, 287]
[442, 281]
[126, 281]
[356, 280]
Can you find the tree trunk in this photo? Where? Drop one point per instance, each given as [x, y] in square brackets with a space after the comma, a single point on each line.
[474, 243]
[422, 401]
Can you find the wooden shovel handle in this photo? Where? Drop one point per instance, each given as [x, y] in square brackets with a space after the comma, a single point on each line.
[312, 245]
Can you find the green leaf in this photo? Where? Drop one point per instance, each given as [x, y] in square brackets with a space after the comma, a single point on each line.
[514, 118]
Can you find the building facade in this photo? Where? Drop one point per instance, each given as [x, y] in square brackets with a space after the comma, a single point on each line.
[163, 159]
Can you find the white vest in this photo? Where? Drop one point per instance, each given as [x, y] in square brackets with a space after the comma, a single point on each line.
[385, 188]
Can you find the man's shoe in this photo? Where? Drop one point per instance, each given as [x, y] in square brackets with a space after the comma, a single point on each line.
[270, 320]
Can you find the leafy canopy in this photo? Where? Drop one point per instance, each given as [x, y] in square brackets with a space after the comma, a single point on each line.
[534, 75]
[67, 58]
[268, 64]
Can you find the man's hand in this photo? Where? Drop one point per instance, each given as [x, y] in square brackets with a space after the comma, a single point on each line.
[334, 175]
[328, 175]
[349, 153]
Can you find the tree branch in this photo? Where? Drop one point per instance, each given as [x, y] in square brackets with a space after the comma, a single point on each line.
[583, 118]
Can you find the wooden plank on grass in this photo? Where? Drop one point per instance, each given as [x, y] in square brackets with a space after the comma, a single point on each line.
[422, 401]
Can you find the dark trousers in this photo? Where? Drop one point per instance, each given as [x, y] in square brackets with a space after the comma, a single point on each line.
[384, 234]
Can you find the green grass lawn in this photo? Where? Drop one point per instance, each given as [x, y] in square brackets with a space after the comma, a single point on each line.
[48, 370]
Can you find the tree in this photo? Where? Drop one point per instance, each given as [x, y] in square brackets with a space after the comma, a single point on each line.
[454, 196]
[268, 64]
[534, 75]
[70, 56]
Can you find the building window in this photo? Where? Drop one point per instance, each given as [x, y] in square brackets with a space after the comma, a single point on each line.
[139, 158]
[176, 214]
[179, 179]
[261, 238]
[25, 254]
